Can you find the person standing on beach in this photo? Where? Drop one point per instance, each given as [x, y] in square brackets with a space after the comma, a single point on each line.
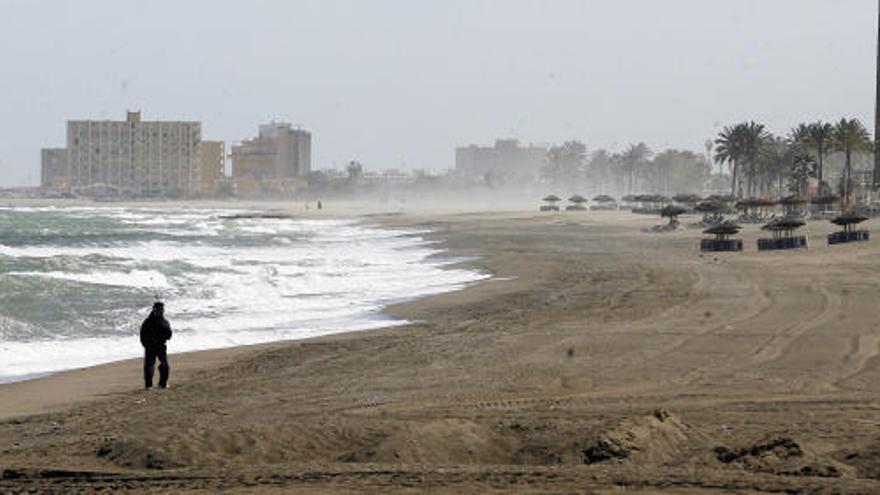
[155, 332]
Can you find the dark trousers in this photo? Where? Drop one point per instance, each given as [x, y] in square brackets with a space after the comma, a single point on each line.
[150, 356]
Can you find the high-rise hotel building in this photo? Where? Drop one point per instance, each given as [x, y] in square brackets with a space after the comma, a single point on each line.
[277, 160]
[135, 157]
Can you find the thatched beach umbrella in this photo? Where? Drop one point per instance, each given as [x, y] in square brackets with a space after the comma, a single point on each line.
[710, 207]
[793, 204]
[550, 201]
[743, 204]
[654, 200]
[688, 199]
[628, 202]
[723, 230]
[793, 200]
[672, 212]
[604, 202]
[823, 201]
[848, 220]
[721, 198]
[722, 241]
[713, 212]
[577, 203]
[754, 203]
[784, 225]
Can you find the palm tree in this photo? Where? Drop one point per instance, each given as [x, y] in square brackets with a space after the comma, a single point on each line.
[753, 139]
[729, 149]
[803, 166]
[741, 144]
[633, 161]
[799, 140]
[800, 136]
[565, 164]
[820, 138]
[600, 170]
[850, 136]
[709, 145]
[776, 160]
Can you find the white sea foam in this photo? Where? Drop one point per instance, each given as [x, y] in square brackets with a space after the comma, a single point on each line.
[135, 278]
[227, 282]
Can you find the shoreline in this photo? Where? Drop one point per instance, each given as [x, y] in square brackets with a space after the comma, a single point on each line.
[84, 384]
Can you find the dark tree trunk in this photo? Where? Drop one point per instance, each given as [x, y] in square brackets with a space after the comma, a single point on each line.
[750, 173]
[779, 187]
[733, 181]
[847, 176]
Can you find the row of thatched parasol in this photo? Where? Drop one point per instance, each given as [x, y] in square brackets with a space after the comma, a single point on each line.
[678, 198]
[710, 204]
[786, 224]
[696, 199]
[644, 198]
[577, 198]
[555, 199]
[786, 201]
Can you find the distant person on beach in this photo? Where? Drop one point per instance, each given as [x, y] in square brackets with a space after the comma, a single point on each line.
[155, 332]
[319, 204]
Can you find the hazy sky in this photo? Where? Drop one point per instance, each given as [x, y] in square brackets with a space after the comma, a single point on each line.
[400, 83]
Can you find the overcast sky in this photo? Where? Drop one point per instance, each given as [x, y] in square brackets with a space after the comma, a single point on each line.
[400, 83]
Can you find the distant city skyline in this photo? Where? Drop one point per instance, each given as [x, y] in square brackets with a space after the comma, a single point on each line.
[395, 83]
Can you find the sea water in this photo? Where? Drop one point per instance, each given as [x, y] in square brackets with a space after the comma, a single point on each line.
[75, 283]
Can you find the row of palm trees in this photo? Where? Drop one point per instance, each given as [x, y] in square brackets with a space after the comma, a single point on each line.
[767, 160]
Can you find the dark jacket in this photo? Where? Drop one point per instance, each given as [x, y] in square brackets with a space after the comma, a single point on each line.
[155, 331]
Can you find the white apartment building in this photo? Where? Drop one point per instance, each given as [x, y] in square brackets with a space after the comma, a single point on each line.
[134, 157]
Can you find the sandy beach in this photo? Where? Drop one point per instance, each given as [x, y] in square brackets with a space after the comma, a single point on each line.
[598, 358]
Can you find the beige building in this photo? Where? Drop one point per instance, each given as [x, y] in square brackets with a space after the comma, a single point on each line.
[134, 157]
[212, 168]
[280, 154]
[53, 168]
[507, 158]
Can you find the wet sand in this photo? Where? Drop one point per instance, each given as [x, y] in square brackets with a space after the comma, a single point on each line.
[599, 358]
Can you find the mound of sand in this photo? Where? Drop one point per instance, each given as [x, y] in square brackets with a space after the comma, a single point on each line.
[865, 459]
[781, 456]
[442, 441]
[132, 454]
[654, 438]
